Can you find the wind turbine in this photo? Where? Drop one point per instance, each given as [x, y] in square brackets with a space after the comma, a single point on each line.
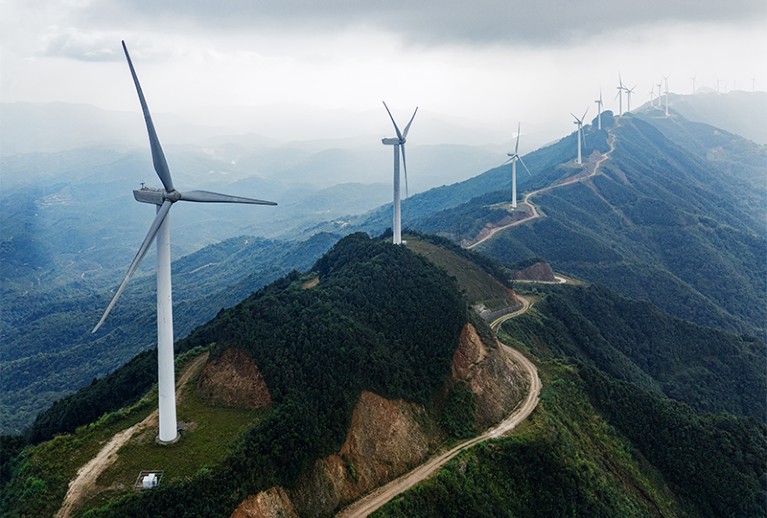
[629, 91]
[579, 122]
[599, 110]
[665, 79]
[398, 142]
[513, 157]
[619, 96]
[652, 97]
[693, 83]
[163, 199]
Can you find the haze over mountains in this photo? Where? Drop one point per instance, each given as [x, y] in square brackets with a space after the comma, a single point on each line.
[667, 210]
[56, 228]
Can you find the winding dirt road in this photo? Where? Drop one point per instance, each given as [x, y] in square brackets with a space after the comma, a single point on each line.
[87, 475]
[534, 214]
[385, 493]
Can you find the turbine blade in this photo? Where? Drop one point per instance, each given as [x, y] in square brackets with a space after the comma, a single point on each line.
[516, 147]
[523, 165]
[584, 113]
[574, 117]
[404, 167]
[154, 227]
[407, 128]
[214, 197]
[507, 161]
[399, 135]
[158, 157]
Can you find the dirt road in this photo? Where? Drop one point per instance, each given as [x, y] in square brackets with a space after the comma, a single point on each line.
[534, 214]
[383, 494]
[87, 475]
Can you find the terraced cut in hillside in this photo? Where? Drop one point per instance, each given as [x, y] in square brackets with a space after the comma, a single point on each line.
[384, 494]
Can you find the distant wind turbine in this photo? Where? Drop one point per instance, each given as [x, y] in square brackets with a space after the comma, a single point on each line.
[665, 79]
[718, 81]
[629, 91]
[513, 157]
[652, 97]
[398, 142]
[163, 199]
[599, 110]
[693, 83]
[620, 88]
[579, 122]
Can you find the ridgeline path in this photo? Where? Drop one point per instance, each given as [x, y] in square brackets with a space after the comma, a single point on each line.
[87, 475]
[534, 214]
[376, 499]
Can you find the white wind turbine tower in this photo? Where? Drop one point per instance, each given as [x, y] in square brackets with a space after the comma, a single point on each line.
[693, 83]
[665, 79]
[163, 199]
[629, 91]
[652, 97]
[579, 122]
[513, 157]
[620, 95]
[599, 110]
[398, 142]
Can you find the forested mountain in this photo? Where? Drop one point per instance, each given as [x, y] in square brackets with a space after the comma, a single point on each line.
[381, 319]
[607, 439]
[675, 216]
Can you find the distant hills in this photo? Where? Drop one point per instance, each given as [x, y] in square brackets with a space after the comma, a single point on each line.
[739, 112]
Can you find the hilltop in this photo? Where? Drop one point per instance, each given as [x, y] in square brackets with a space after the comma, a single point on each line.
[321, 386]
[374, 332]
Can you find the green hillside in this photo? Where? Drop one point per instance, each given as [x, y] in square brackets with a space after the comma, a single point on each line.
[381, 319]
[658, 223]
[606, 440]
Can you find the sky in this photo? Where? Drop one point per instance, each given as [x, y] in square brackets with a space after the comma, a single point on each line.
[487, 63]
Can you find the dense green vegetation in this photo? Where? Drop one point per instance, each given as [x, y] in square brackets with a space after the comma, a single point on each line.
[565, 461]
[381, 319]
[717, 464]
[600, 447]
[710, 370]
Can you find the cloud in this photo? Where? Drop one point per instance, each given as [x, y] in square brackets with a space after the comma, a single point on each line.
[480, 22]
[73, 44]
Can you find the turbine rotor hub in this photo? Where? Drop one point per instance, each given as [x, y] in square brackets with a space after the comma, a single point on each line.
[172, 196]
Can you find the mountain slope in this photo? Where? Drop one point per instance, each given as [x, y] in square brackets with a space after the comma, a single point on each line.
[606, 440]
[656, 220]
[381, 319]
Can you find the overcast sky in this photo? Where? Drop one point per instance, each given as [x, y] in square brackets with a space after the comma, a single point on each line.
[491, 61]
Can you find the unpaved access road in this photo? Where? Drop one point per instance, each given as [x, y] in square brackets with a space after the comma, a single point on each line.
[385, 493]
[534, 214]
[87, 475]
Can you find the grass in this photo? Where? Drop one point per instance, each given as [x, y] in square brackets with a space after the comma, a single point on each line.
[211, 432]
[478, 285]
